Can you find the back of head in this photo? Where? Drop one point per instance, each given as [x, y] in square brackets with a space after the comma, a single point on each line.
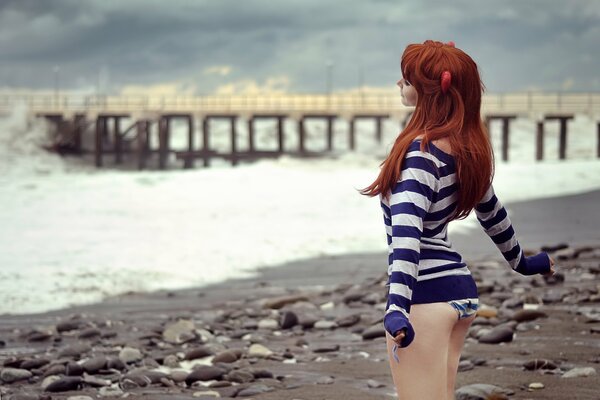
[449, 90]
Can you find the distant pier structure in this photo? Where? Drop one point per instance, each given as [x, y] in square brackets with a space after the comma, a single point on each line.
[141, 126]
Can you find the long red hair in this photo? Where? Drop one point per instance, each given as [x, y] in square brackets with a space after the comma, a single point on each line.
[454, 115]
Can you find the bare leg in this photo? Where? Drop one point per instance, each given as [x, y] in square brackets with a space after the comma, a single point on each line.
[457, 340]
[422, 370]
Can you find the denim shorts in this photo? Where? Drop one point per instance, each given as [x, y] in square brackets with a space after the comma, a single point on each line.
[465, 307]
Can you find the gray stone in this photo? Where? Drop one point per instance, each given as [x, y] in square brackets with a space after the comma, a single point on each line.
[528, 315]
[480, 391]
[171, 361]
[288, 320]
[373, 332]
[240, 376]
[110, 391]
[179, 332]
[64, 384]
[34, 363]
[327, 348]
[373, 384]
[204, 373]
[226, 356]
[198, 352]
[498, 334]
[324, 324]
[254, 390]
[580, 372]
[74, 369]
[539, 363]
[348, 320]
[279, 302]
[325, 380]
[258, 350]
[268, 323]
[75, 350]
[10, 375]
[94, 364]
[130, 355]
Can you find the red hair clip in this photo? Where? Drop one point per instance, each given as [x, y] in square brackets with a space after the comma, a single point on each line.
[450, 43]
[446, 80]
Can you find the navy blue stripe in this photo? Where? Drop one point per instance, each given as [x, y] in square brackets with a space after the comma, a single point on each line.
[446, 267]
[385, 208]
[512, 253]
[429, 254]
[440, 215]
[412, 185]
[503, 236]
[408, 208]
[447, 192]
[446, 170]
[407, 255]
[435, 231]
[401, 277]
[495, 220]
[487, 206]
[406, 231]
[422, 163]
[399, 300]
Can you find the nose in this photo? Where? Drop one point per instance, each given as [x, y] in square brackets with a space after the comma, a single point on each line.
[399, 83]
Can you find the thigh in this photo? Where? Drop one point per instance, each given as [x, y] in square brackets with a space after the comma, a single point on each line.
[457, 340]
[420, 373]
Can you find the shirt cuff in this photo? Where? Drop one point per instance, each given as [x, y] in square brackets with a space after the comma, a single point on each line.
[538, 264]
[395, 321]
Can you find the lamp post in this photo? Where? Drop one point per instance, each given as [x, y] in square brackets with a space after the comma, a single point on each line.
[329, 80]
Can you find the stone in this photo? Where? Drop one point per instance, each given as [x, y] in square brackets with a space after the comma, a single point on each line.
[498, 334]
[115, 363]
[580, 372]
[327, 348]
[90, 333]
[240, 376]
[94, 364]
[64, 384]
[288, 320]
[24, 396]
[324, 324]
[262, 374]
[465, 365]
[254, 390]
[79, 398]
[373, 384]
[487, 312]
[95, 382]
[539, 363]
[268, 323]
[226, 356]
[279, 302]
[536, 385]
[528, 315]
[204, 373]
[198, 352]
[130, 355]
[74, 369]
[349, 320]
[373, 332]
[325, 380]
[34, 363]
[10, 375]
[179, 375]
[207, 393]
[66, 326]
[179, 332]
[75, 350]
[110, 391]
[480, 391]
[258, 350]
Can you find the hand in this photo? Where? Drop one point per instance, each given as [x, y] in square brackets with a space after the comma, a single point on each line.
[552, 271]
[399, 336]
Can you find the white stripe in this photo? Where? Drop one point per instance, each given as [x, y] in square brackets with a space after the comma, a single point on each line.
[407, 220]
[450, 272]
[421, 176]
[400, 289]
[429, 263]
[400, 242]
[394, 307]
[429, 156]
[410, 197]
[405, 267]
[442, 204]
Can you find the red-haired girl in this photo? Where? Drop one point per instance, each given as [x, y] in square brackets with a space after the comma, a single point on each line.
[439, 169]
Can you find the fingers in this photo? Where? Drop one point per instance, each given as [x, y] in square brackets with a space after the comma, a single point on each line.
[398, 338]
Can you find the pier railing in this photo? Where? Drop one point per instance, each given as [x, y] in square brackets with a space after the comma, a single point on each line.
[526, 103]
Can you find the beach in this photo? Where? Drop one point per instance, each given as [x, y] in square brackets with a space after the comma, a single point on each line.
[311, 329]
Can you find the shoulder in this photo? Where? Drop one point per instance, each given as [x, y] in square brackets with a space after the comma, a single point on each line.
[417, 159]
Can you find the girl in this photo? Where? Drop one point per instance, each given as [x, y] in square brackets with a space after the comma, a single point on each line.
[440, 168]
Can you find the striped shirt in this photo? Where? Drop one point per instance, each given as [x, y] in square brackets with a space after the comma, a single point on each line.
[422, 266]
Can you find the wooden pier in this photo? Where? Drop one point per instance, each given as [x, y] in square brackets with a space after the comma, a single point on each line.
[71, 118]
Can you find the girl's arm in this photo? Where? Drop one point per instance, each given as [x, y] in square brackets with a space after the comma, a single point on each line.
[495, 221]
[409, 202]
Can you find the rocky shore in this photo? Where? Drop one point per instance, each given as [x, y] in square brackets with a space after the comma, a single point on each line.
[310, 330]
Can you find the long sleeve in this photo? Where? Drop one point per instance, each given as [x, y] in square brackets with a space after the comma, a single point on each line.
[495, 221]
[409, 202]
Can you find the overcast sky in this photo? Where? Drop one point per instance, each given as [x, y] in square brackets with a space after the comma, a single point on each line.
[207, 46]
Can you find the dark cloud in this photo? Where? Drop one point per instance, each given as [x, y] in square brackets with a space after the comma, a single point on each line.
[518, 45]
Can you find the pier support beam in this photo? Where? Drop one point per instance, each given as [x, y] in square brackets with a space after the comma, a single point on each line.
[206, 150]
[378, 134]
[506, 119]
[329, 118]
[539, 141]
[598, 139]
[562, 119]
[280, 135]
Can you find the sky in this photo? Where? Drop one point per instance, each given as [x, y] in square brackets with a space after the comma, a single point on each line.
[301, 46]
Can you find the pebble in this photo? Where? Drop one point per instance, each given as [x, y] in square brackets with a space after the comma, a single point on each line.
[327, 348]
[349, 320]
[325, 324]
[279, 302]
[198, 352]
[480, 391]
[94, 364]
[89, 333]
[204, 373]
[465, 365]
[498, 334]
[74, 369]
[373, 332]
[179, 332]
[240, 376]
[579, 372]
[171, 361]
[487, 312]
[110, 391]
[268, 324]
[325, 380]
[288, 320]
[208, 393]
[528, 315]
[258, 350]
[79, 398]
[254, 390]
[75, 350]
[130, 355]
[10, 375]
[34, 363]
[539, 363]
[536, 385]
[227, 356]
[64, 384]
[67, 326]
[373, 384]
